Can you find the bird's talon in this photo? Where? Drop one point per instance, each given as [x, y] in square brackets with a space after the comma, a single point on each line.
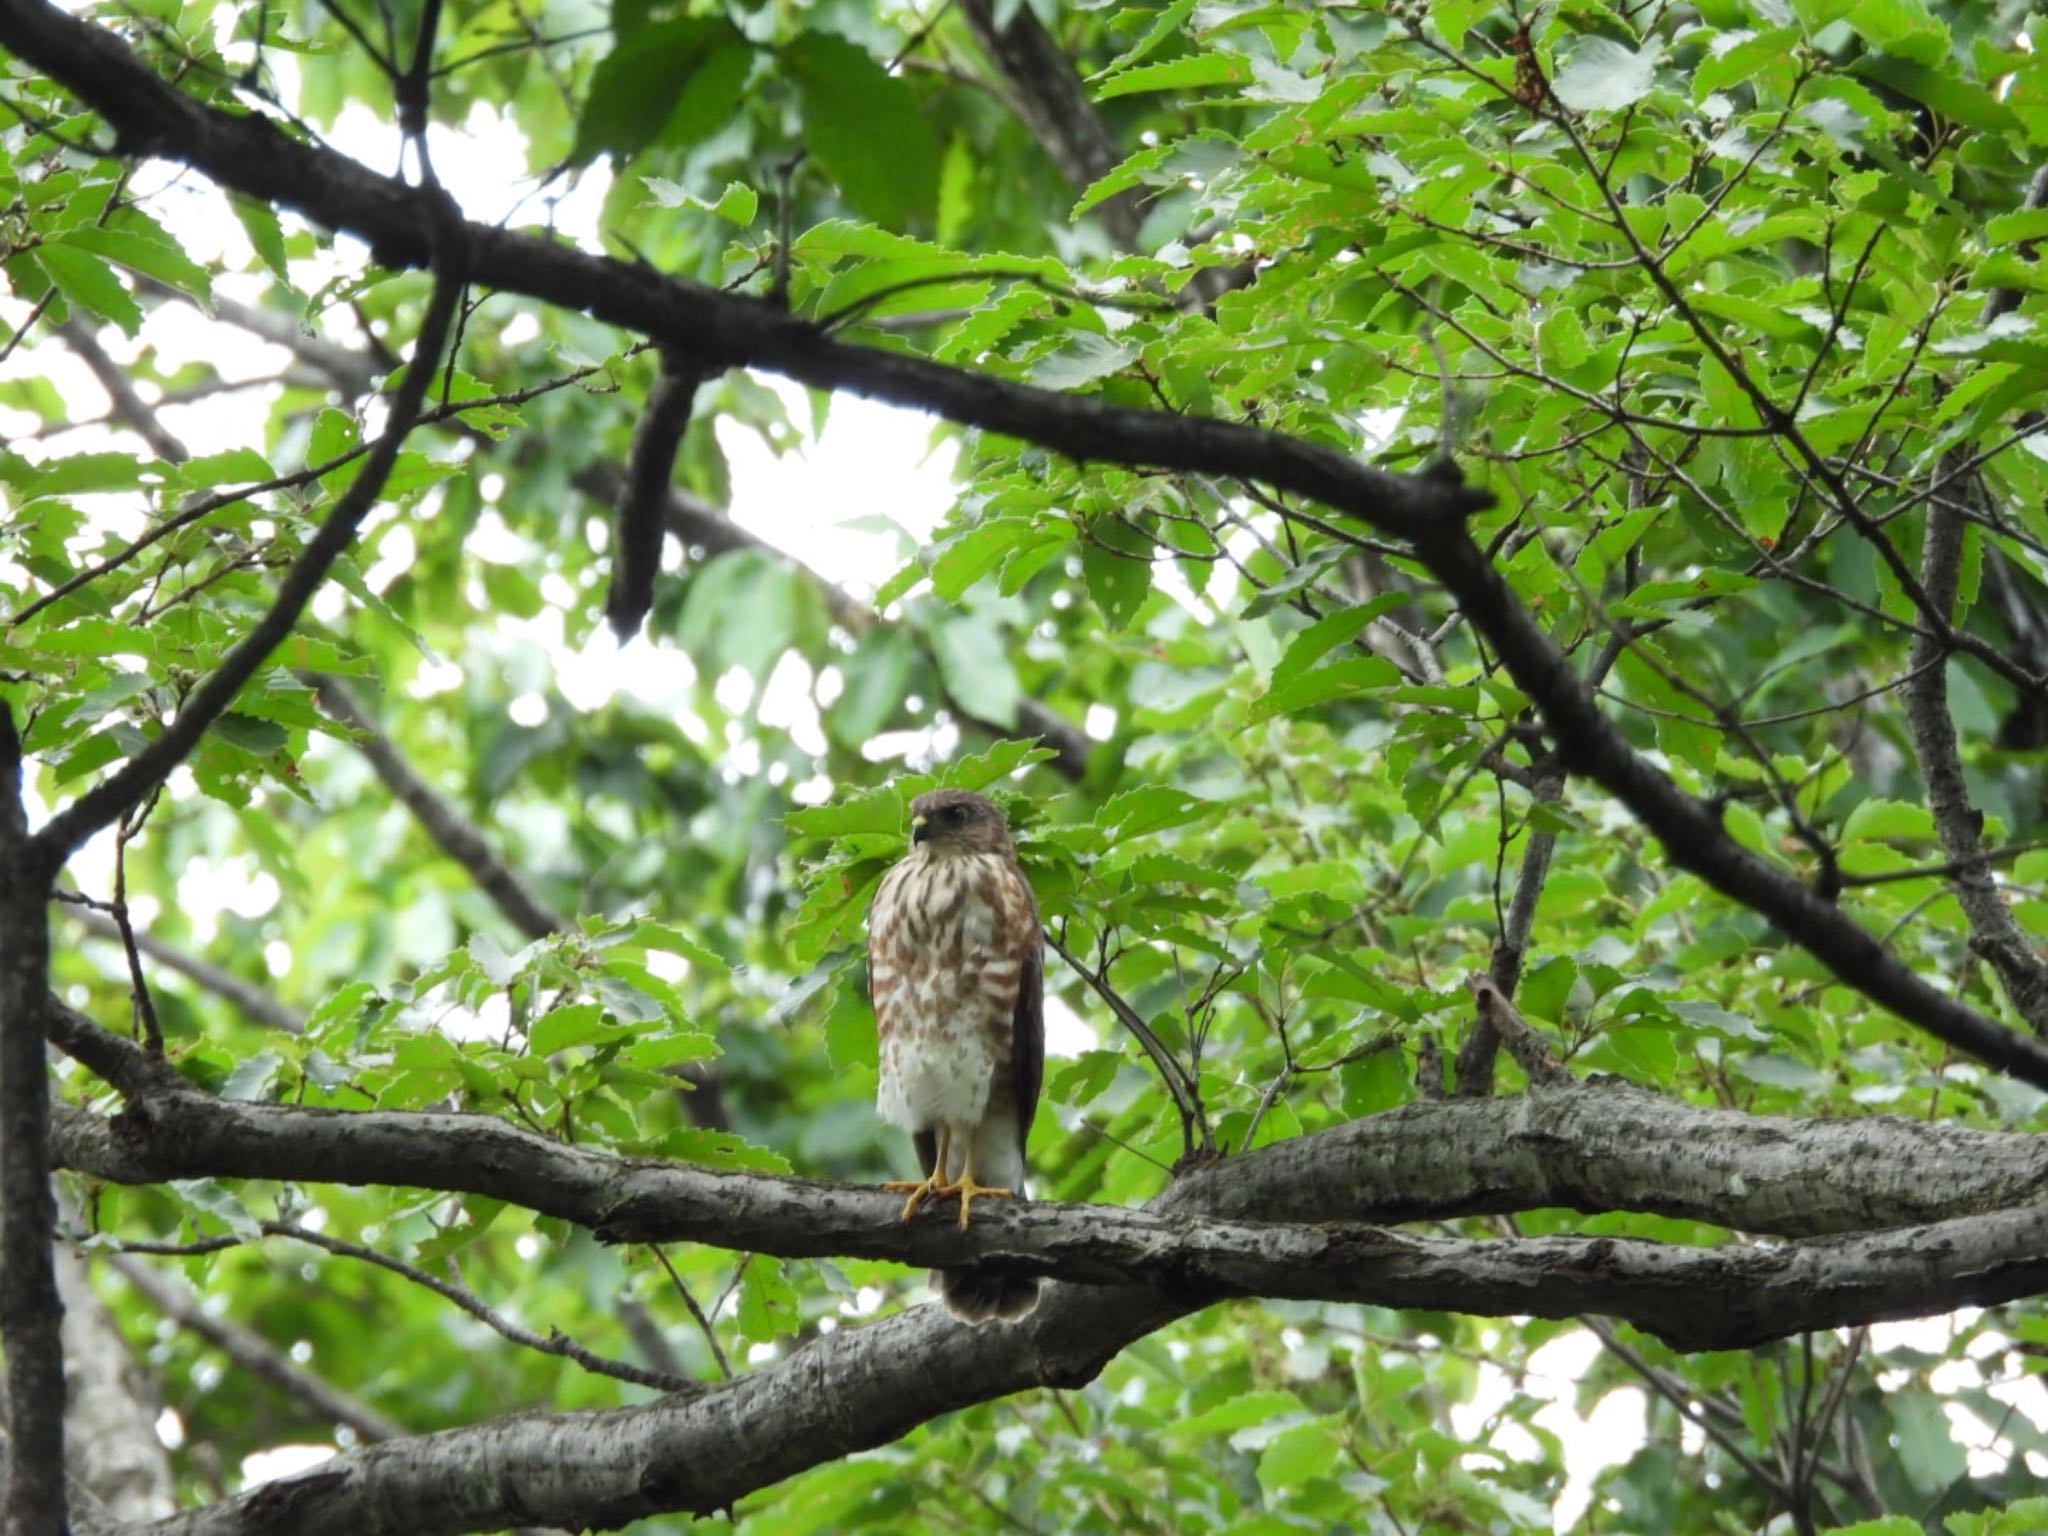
[968, 1190]
[920, 1190]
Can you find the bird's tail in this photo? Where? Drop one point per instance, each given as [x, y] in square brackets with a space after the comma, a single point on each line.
[977, 1294]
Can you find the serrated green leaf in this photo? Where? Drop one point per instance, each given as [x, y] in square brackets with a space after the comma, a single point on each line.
[88, 284]
[572, 1025]
[138, 244]
[1197, 71]
[1118, 582]
[1340, 679]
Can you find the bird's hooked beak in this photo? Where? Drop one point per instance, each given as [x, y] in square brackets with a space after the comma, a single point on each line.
[920, 829]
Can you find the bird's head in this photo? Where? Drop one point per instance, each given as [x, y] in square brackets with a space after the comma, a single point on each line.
[954, 821]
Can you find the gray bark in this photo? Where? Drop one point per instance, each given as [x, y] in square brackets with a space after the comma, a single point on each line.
[861, 1387]
[110, 1440]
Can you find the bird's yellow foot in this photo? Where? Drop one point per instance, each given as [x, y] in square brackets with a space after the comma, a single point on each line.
[920, 1190]
[968, 1191]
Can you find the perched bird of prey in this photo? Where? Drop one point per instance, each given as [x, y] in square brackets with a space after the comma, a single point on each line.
[956, 969]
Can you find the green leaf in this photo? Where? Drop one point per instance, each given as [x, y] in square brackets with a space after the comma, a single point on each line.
[768, 1302]
[350, 580]
[259, 738]
[876, 811]
[1947, 93]
[2022, 1517]
[1311, 645]
[234, 466]
[146, 250]
[254, 1078]
[1080, 361]
[1296, 1455]
[1905, 29]
[1167, 24]
[850, 1027]
[1708, 1016]
[1239, 1412]
[1148, 809]
[88, 284]
[737, 204]
[1194, 72]
[877, 676]
[715, 1149]
[1119, 583]
[649, 934]
[866, 128]
[1604, 76]
[572, 1025]
[2012, 228]
[975, 552]
[636, 86]
[1880, 820]
[994, 765]
[1927, 1449]
[710, 96]
[976, 666]
[1339, 680]
[956, 191]
[260, 223]
[211, 1198]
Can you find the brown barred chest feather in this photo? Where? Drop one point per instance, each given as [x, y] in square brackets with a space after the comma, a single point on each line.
[944, 974]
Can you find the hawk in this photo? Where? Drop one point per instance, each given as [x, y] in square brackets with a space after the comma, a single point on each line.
[956, 969]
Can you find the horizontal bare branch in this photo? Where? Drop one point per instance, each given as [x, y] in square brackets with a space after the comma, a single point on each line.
[1592, 1147]
[1924, 1218]
[861, 1387]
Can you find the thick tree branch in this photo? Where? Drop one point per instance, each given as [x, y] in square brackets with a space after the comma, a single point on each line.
[849, 1391]
[110, 1435]
[1958, 1211]
[1052, 100]
[1503, 1022]
[1591, 1147]
[1590, 745]
[30, 1312]
[1476, 1057]
[864, 1386]
[861, 1387]
[1994, 933]
[1053, 103]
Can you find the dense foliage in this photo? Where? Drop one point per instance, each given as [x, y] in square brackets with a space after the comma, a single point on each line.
[1731, 310]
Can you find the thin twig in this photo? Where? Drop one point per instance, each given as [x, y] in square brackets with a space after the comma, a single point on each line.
[697, 1312]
